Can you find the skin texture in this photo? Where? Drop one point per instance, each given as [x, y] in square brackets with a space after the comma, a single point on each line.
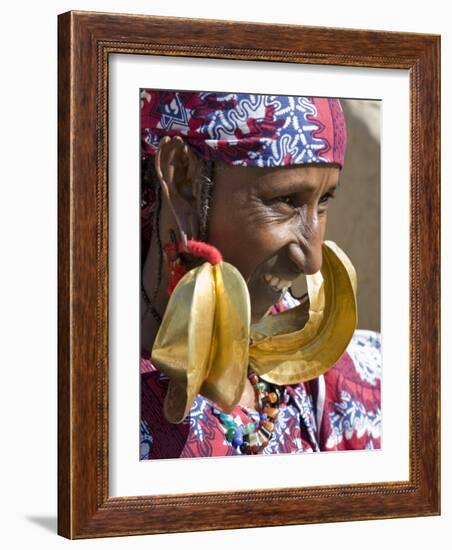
[264, 221]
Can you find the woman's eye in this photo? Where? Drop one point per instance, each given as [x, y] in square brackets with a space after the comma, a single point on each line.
[326, 198]
[286, 200]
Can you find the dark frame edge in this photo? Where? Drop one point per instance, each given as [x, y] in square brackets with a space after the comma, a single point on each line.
[435, 59]
[425, 244]
[64, 280]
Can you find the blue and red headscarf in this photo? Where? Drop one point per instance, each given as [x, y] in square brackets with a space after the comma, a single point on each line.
[246, 129]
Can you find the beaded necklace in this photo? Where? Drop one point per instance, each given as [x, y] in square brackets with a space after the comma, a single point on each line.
[252, 438]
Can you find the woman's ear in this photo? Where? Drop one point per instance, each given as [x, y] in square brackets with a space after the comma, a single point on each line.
[178, 171]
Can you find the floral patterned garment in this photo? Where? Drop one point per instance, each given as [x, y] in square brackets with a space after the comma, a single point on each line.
[337, 411]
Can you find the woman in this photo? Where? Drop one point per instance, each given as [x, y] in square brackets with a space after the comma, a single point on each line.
[250, 178]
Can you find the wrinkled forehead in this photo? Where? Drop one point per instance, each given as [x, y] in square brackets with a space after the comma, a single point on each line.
[307, 180]
[246, 129]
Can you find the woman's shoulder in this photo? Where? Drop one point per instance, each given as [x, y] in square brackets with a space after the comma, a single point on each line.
[352, 399]
[355, 379]
[365, 352]
[358, 370]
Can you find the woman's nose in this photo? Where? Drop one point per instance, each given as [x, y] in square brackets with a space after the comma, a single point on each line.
[307, 262]
[306, 254]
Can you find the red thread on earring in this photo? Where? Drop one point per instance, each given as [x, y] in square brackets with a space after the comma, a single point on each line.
[197, 248]
[204, 250]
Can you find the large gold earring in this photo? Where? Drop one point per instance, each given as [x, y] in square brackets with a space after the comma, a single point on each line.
[202, 343]
[283, 353]
[205, 342]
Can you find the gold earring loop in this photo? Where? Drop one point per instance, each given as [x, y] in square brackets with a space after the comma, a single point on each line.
[282, 354]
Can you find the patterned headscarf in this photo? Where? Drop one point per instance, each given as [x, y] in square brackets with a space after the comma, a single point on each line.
[246, 129]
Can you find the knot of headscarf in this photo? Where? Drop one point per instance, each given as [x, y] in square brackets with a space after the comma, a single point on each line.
[246, 129]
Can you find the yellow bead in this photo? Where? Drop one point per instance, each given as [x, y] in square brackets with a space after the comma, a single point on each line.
[271, 412]
[268, 426]
[272, 397]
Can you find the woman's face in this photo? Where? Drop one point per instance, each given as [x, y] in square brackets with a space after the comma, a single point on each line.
[270, 224]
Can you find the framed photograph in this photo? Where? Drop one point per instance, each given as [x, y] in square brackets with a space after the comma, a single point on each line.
[224, 354]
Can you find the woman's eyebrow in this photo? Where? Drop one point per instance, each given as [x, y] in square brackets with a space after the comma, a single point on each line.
[335, 185]
[285, 187]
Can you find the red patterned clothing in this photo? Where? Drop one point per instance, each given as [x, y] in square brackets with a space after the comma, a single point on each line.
[337, 411]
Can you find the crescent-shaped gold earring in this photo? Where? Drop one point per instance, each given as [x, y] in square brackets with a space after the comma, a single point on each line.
[283, 353]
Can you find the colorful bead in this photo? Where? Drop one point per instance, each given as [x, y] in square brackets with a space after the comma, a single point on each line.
[271, 412]
[268, 426]
[254, 379]
[272, 397]
[265, 432]
[224, 417]
[238, 440]
[244, 447]
[230, 434]
[251, 438]
[251, 427]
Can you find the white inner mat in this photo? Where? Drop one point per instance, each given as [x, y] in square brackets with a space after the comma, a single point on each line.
[128, 475]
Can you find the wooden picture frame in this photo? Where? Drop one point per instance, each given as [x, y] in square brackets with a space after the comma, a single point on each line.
[85, 42]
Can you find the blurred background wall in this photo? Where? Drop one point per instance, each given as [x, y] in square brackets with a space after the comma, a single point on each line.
[354, 214]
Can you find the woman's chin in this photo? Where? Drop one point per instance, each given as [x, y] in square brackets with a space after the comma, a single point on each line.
[263, 297]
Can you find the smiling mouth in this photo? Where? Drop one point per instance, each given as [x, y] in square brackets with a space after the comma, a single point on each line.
[277, 284]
